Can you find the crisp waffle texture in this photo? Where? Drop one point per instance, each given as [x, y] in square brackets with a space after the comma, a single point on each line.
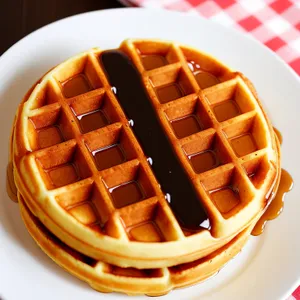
[74, 195]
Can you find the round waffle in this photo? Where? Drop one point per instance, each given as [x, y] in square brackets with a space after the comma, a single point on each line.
[70, 120]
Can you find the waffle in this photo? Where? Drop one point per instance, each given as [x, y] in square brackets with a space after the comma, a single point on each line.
[72, 190]
[107, 278]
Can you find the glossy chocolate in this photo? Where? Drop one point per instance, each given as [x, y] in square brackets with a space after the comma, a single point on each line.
[172, 177]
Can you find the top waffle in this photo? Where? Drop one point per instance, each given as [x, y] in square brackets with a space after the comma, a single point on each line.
[83, 172]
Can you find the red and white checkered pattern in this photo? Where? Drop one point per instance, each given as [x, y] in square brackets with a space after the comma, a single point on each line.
[276, 23]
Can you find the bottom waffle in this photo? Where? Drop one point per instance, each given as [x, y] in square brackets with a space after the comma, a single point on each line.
[108, 278]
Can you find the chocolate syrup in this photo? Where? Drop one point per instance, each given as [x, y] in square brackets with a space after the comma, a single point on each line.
[172, 177]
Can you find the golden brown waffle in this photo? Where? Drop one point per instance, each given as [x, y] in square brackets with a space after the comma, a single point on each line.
[71, 192]
[106, 278]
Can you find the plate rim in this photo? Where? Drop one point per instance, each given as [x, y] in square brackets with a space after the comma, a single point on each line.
[10, 50]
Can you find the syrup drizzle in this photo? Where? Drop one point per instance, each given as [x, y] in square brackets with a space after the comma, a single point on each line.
[166, 166]
[276, 205]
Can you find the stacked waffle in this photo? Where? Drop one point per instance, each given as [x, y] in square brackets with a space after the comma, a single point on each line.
[94, 182]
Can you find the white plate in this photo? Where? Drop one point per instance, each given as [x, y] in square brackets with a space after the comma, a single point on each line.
[269, 266]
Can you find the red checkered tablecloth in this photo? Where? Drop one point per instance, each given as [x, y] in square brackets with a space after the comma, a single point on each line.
[276, 23]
